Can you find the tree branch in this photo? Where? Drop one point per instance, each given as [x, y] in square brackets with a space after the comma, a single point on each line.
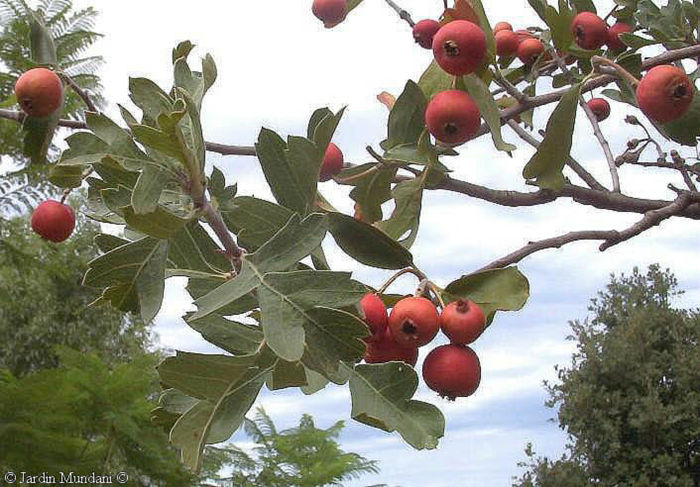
[402, 13]
[81, 93]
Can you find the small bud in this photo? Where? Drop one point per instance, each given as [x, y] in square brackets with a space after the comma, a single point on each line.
[632, 120]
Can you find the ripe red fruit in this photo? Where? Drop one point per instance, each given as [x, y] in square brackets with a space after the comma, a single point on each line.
[664, 93]
[332, 163]
[529, 50]
[39, 92]
[374, 313]
[414, 322]
[501, 26]
[452, 371]
[600, 108]
[524, 34]
[459, 47]
[424, 31]
[452, 117]
[462, 321]
[385, 349]
[590, 31]
[507, 43]
[330, 12]
[614, 32]
[53, 221]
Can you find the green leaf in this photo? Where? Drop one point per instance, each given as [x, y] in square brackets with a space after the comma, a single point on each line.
[494, 290]
[547, 163]
[402, 226]
[539, 6]
[485, 26]
[255, 221]
[160, 224]
[407, 117]
[134, 269]
[560, 25]
[193, 248]
[227, 387]
[291, 244]
[373, 190]
[381, 397]
[236, 338]
[367, 244]
[149, 97]
[489, 110]
[434, 80]
[43, 49]
[324, 129]
[686, 129]
[38, 135]
[66, 176]
[289, 172]
[352, 4]
[147, 191]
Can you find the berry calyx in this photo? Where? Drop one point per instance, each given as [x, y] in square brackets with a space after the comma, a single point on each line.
[452, 371]
[39, 92]
[664, 93]
[385, 349]
[614, 32]
[330, 12]
[452, 117]
[462, 321]
[459, 47]
[529, 50]
[332, 163]
[374, 314]
[590, 31]
[501, 26]
[507, 43]
[424, 32]
[600, 108]
[414, 322]
[53, 221]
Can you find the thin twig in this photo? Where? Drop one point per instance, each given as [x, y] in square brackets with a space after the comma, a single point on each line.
[571, 162]
[81, 93]
[402, 13]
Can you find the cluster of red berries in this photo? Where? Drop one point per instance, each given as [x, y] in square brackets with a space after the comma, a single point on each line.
[451, 370]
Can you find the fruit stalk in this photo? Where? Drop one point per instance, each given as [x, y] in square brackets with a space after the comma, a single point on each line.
[402, 13]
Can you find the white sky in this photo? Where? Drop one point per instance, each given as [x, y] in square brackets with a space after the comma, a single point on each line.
[276, 65]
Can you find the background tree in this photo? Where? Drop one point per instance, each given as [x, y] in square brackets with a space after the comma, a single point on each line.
[630, 401]
[43, 304]
[72, 31]
[301, 456]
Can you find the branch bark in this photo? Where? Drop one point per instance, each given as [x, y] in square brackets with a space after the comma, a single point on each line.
[402, 13]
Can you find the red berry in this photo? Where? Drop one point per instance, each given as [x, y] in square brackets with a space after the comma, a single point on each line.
[39, 92]
[524, 34]
[452, 371]
[53, 221]
[462, 321]
[452, 117]
[459, 47]
[385, 349]
[414, 322]
[330, 12]
[332, 163]
[374, 313]
[424, 31]
[665, 93]
[507, 43]
[590, 31]
[614, 32]
[600, 108]
[529, 50]
[500, 26]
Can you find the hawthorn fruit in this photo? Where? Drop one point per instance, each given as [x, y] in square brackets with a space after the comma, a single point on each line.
[501, 26]
[459, 47]
[452, 371]
[529, 50]
[665, 93]
[590, 31]
[614, 32]
[39, 92]
[424, 32]
[374, 314]
[386, 349]
[600, 108]
[414, 322]
[452, 117]
[332, 163]
[462, 321]
[507, 43]
[330, 12]
[53, 221]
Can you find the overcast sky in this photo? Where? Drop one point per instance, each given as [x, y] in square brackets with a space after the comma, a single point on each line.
[276, 65]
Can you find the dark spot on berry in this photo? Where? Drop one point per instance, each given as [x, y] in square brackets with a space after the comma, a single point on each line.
[451, 48]
[680, 91]
[409, 328]
[451, 128]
